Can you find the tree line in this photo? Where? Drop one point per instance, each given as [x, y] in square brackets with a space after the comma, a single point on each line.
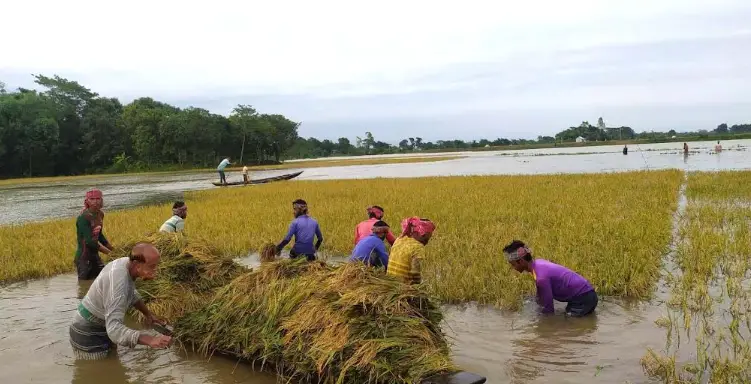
[67, 129]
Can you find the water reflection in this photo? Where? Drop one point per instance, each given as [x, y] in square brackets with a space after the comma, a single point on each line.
[556, 342]
[93, 371]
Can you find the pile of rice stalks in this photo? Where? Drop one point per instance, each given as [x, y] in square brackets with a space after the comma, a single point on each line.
[188, 274]
[317, 323]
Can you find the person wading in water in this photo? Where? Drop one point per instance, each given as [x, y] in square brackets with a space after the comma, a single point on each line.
[405, 261]
[176, 223]
[303, 228]
[364, 228]
[553, 282]
[90, 237]
[98, 324]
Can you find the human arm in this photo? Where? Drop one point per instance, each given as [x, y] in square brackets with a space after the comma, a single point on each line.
[319, 237]
[390, 237]
[116, 305]
[180, 226]
[380, 251]
[150, 317]
[290, 232]
[545, 294]
[85, 231]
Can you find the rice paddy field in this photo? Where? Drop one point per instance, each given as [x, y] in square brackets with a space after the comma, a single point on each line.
[667, 250]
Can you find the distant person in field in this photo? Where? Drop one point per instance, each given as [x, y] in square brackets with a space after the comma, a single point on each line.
[304, 228]
[625, 150]
[220, 169]
[405, 261]
[685, 148]
[99, 322]
[176, 223]
[718, 147]
[90, 237]
[553, 282]
[371, 250]
[246, 179]
[364, 228]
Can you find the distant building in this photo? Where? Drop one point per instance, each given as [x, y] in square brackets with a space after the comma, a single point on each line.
[580, 139]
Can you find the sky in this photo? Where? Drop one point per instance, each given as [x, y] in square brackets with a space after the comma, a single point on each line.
[437, 70]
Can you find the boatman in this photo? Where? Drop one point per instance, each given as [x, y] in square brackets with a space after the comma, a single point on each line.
[371, 249]
[220, 169]
[365, 228]
[98, 324]
[303, 228]
[90, 237]
[405, 261]
[176, 223]
[553, 282]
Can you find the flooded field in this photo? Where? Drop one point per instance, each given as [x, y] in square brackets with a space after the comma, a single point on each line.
[519, 347]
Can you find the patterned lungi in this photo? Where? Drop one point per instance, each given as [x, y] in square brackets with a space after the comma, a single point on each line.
[88, 336]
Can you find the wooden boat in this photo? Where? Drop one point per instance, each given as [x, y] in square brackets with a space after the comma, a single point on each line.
[288, 176]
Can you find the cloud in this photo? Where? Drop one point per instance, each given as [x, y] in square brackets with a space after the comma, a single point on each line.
[468, 70]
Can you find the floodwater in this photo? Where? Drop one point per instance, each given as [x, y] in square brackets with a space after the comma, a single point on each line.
[519, 347]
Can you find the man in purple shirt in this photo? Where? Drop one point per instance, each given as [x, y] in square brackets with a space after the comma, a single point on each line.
[371, 250]
[303, 227]
[553, 282]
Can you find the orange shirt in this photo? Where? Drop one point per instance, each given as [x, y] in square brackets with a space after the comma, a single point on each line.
[365, 229]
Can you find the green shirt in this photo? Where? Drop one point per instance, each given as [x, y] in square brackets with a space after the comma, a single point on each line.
[88, 243]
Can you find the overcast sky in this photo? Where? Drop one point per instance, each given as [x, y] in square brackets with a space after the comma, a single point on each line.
[465, 69]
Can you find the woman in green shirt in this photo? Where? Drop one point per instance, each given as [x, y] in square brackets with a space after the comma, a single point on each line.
[90, 238]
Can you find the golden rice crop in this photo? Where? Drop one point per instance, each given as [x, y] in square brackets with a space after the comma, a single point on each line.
[709, 322]
[612, 228]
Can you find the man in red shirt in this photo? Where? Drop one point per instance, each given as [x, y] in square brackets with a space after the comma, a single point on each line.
[365, 228]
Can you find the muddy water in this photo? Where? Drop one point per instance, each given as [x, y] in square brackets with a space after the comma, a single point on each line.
[519, 347]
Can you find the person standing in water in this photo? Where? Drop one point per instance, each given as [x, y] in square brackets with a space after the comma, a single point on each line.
[685, 148]
[365, 228]
[90, 238]
[176, 223]
[99, 322]
[405, 261]
[718, 147]
[371, 249]
[625, 149]
[303, 228]
[553, 281]
[220, 169]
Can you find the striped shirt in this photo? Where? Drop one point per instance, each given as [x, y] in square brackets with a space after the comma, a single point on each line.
[405, 260]
[173, 224]
[110, 296]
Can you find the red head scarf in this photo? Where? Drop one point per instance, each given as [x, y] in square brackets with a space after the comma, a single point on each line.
[91, 194]
[418, 226]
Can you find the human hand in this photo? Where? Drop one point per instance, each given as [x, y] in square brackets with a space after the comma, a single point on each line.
[159, 341]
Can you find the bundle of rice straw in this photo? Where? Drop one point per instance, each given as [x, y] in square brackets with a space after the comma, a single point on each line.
[317, 323]
[188, 274]
[268, 252]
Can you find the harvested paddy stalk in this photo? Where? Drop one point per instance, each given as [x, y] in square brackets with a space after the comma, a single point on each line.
[188, 274]
[317, 323]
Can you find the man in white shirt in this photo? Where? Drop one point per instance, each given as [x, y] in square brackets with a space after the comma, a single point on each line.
[99, 322]
[245, 174]
[220, 169]
[176, 223]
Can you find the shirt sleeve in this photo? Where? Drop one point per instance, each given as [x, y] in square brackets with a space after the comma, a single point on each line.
[319, 235]
[180, 225]
[380, 250]
[545, 294]
[83, 226]
[288, 237]
[115, 307]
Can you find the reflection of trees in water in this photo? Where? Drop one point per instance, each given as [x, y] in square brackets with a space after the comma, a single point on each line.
[555, 343]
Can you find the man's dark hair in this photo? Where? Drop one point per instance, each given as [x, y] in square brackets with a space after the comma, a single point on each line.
[380, 223]
[514, 246]
[299, 201]
[178, 204]
[372, 215]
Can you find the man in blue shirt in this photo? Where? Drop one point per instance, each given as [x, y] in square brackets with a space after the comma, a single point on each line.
[371, 250]
[220, 169]
[303, 227]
